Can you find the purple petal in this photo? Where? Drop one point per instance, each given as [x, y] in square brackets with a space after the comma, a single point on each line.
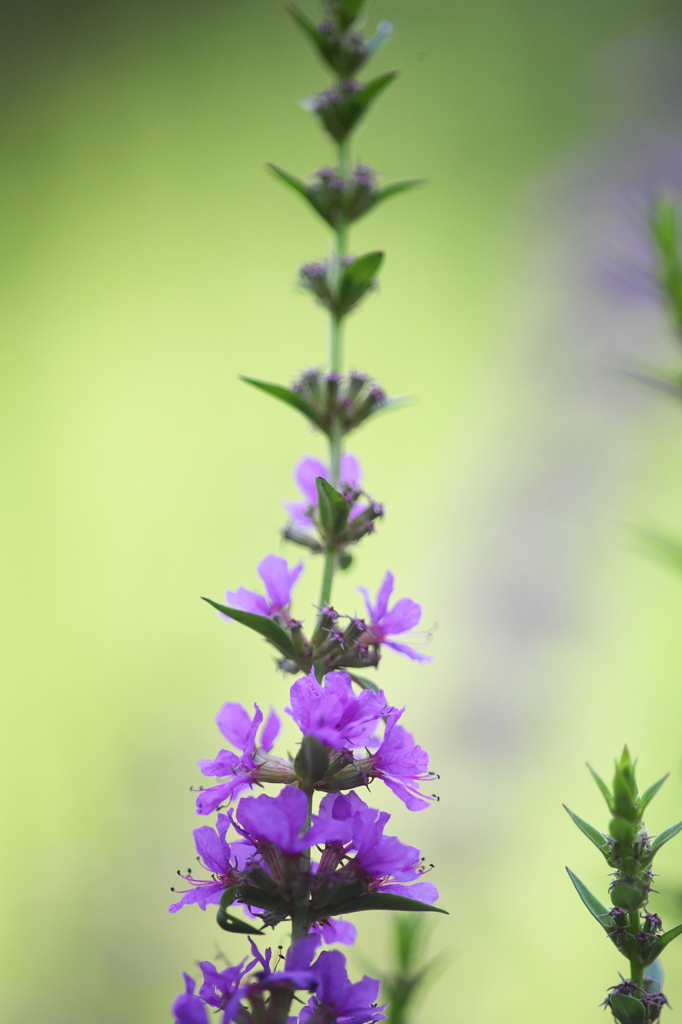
[305, 474]
[351, 471]
[413, 801]
[214, 851]
[202, 895]
[404, 615]
[223, 764]
[409, 651]
[234, 722]
[270, 730]
[385, 591]
[247, 601]
[425, 892]
[209, 799]
[188, 1008]
[279, 580]
[336, 930]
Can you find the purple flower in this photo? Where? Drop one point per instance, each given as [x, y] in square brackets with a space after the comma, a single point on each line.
[225, 862]
[252, 766]
[219, 987]
[279, 582]
[275, 824]
[382, 862]
[333, 712]
[400, 763]
[337, 1000]
[335, 930]
[384, 622]
[188, 1008]
[306, 472]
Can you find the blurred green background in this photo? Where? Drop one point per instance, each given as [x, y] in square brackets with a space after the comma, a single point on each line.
[147, 259]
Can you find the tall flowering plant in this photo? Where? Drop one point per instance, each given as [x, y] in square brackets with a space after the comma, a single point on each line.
[627, 846]
[315, 852]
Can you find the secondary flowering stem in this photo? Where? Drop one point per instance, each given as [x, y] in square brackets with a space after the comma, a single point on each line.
[300, 919]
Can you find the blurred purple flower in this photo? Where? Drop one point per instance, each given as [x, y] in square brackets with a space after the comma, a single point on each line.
[386, 622]
[279, 582]
[333, 712]
[337, 1000]
[252, 766]
[188, 1008]
[306, 472]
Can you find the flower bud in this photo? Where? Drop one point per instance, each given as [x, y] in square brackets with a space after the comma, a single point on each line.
[312, 762]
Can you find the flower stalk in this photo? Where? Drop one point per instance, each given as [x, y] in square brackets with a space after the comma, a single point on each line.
[316, 852]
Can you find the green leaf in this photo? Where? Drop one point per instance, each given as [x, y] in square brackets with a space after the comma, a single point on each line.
[591, 832]
[357, 278]
[268, 628]
[598, 911]
[230, 923]
[384, 901]
[627, 1009]
[648, 794]
[663, 940]
[395, 188]
[663, 838]
[289, 179]
[364, 682]
[398, 402]
[374, 87]
[333, 508]
[286, 395]
[603, 788]
[305, 24]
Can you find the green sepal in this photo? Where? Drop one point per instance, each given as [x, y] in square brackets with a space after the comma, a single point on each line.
[383, 901]
[230, 923]
[627, 1009]
[598, 911]
[357, 279]
[364, 682]
[661, 942]
[663, 838]
[333, 509]
[648, 794]
[627, 896]
[267, 628]
[591, 832]
[603, 788]
[286, 395]
[311, 762]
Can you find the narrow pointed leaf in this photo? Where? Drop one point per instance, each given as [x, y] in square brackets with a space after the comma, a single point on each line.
[648, 794]
[663, 838]
[663, 940]
[627, 1009]
[304, 23]
[286, 395]
[289, 179]
[230, 923]
[362, 270]
[603, 788]
[268, 628]
[364, 682]
[395, 188]
[598, 911]
[373, 88]
[384, 901]
[590, 831]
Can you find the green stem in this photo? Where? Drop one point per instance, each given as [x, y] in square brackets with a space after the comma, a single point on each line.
[300, 919]
[328, 577]
[636, 968]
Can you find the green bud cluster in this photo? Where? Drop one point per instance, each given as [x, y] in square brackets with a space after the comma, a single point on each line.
[629, 850]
